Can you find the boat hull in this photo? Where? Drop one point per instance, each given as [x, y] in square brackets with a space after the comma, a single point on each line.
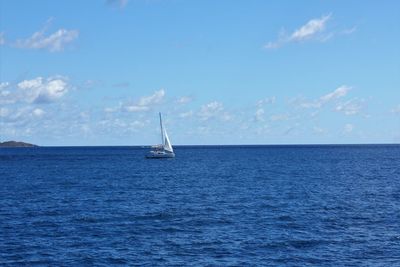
[160, 155]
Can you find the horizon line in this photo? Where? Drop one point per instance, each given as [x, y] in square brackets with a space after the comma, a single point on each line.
[225, 145]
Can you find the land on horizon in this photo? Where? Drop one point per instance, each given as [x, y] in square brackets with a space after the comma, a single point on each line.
[16, 144]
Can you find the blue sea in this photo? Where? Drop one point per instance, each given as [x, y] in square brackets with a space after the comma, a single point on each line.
[209, 206]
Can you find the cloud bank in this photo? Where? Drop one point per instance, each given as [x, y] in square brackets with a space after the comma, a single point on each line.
[34, 91]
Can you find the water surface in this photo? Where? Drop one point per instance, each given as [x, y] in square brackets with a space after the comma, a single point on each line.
[210, 206]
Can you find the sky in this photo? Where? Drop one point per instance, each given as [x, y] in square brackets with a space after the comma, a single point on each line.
[221, 72]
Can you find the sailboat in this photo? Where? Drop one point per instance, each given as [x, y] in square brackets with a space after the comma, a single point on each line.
[164, 150]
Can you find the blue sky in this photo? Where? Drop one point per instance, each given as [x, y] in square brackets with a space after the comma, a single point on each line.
[221, 72]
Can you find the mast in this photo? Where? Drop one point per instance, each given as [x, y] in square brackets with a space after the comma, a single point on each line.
[162, 130]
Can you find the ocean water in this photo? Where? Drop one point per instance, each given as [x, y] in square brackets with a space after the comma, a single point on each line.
[210, 206]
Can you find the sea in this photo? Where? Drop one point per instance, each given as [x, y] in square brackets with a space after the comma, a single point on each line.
[302, 205]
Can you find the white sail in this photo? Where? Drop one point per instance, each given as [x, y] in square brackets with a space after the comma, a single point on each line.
[164, 150]
[167, 143]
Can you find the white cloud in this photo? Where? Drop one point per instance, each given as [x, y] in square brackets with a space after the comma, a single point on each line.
[4, 85]
[210, 110]
[37, 90]
[54, 42]
[40, 90]
[350, 107]
[20, 115]
[2, 38]
[11, 116]
[312, 30]
[184, 100]
[307, 104]
[268, 100]
[134, 108]
[27, 84]
[145, 103]
[282, 39]
[337, 93]
[38, 112]
[155, 98]
[259, 115]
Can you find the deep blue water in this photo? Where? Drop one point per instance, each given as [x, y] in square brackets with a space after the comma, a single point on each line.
[210, 206]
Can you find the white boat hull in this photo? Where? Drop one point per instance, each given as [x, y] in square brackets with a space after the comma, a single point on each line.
[160, 155]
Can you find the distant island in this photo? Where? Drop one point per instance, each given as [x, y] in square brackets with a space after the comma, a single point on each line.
[16, 144]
